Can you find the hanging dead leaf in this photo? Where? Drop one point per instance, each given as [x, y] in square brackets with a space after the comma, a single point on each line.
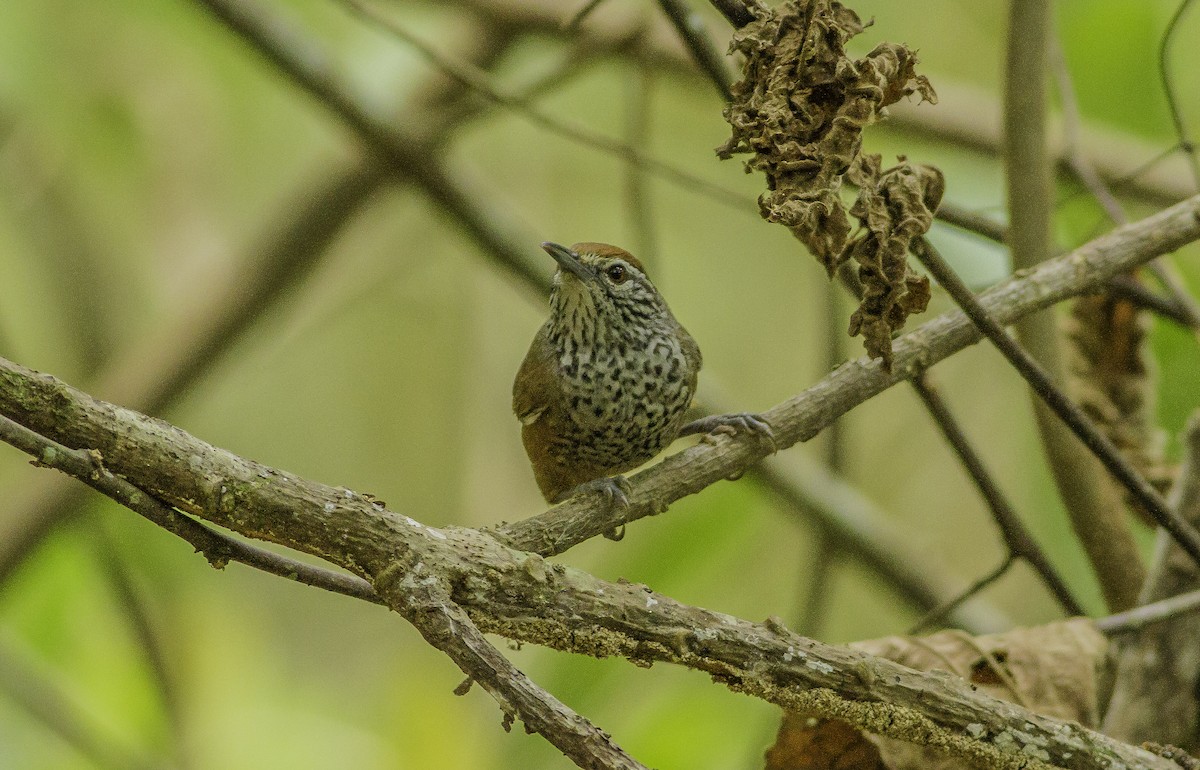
[799, 110]
[808, 743]
[1112, 377]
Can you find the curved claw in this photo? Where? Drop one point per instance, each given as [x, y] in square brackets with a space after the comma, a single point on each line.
[731, 423]
[616, 534]
[616, 489]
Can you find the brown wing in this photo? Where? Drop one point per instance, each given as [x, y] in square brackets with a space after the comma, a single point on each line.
[537, 402]
[534, 389]
[691, 351]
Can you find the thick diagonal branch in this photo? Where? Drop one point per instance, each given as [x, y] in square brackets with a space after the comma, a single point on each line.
[521, 596]
[443, 624]
[412, 160]
[803, 416]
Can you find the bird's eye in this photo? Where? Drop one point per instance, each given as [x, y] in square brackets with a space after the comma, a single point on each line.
[616, 273]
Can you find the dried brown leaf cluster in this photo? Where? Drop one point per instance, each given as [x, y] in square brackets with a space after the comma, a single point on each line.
[800, 109]
[808, 743]
[1112, 378]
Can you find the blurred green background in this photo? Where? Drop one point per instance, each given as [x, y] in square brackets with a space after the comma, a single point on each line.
[147, 155]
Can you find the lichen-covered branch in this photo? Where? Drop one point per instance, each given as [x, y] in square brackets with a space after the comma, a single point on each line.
[443, 624]
[217, 547]
[522, 596]
[416, 592]
[155, 373]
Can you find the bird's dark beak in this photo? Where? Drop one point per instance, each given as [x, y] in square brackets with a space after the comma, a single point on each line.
[569, 261]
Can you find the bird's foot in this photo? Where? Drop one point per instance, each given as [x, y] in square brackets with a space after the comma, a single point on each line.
[616, 491]
[730, 424]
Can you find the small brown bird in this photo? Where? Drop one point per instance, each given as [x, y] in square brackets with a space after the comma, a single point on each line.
[608, 378]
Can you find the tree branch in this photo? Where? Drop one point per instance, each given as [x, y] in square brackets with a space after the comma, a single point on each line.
[1084, 170]
[803, 416]
[1160, 611]
[1017, 537]
[217, 547]
[1093, 504]
[969, 118]
[406, 158]
[420, 597]
[1122, 286]
[1154, 690]
[691, 31]
[477, 81]
[151, 377]
[523, 597]
[443, 624]
[1084, 429]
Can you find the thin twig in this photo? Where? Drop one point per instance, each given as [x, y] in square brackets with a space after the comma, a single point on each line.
[217, 547]
[1085, 170]
[1133, 290]
[690, 27]
[42, 697]
[972, 221]
[638, 205]
[1074, 417]
[865, 532]
[1079, 163]
[1164, 72]
[150, 641]
[735, 11]
[972, 117]
[473, 78]
[1120, 285]
[1148, 614]
[438, 131]
[1017, 537]
[582, 14]
[937, 613]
